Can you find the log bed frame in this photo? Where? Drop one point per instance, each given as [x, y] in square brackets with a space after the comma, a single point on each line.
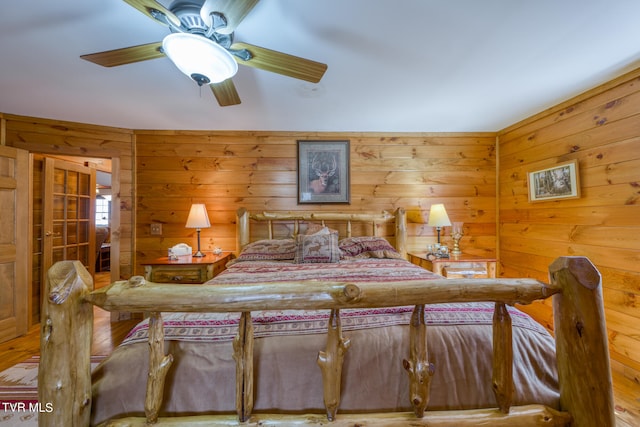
[586, 396]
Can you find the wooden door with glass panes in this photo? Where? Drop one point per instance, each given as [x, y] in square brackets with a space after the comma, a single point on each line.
[68, 214]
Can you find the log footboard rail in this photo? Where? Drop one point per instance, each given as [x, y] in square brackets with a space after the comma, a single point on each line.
[586, 397]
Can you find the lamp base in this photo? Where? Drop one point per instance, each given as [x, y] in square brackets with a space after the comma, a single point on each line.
[199, 253]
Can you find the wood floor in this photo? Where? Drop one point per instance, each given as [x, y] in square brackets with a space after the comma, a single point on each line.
[107, 335]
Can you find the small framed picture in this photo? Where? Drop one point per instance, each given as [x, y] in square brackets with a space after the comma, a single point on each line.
[560, 181]
[323, 172]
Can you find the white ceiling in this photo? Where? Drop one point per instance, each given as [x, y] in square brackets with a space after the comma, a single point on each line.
[393, 65]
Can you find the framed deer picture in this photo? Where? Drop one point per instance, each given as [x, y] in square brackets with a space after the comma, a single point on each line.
[323, 172]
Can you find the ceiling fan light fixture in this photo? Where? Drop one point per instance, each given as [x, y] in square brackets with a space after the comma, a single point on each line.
[200, 58]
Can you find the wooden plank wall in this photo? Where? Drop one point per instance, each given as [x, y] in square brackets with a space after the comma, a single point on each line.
[601, 130]
[257, 170]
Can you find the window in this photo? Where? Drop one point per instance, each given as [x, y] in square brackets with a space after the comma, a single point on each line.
[103, 209]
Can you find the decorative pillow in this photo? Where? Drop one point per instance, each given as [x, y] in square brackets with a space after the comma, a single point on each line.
[321, 247]
[269, 250]
[367, 247]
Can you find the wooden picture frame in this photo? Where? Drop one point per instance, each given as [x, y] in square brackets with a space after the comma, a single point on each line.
[323, 172]
[559, 181]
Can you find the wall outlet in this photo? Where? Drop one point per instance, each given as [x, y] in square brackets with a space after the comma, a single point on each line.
[156, 229]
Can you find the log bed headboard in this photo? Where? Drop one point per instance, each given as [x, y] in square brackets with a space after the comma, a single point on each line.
[377, 221]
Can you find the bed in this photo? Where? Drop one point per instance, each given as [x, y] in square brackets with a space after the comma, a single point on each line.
[318, 328]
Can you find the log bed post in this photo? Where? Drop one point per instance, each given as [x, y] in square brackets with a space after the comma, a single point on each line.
[64, 377]
[401, 231]
[243, 355]
[581, 346]
[242, 229]
[330, 362]
[502, 357]
[418, 367]
[159, 365]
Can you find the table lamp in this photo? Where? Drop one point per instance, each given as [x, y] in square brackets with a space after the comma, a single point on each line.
[198, 219]
[438, 218]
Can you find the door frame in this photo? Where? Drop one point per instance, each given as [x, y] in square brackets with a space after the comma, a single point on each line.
[115, 206]
[114, 219]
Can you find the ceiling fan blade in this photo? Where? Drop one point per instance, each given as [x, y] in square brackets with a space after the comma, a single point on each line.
[148, 6]
[233, 10]
[127, 55]
[225, 92]
[281, 63]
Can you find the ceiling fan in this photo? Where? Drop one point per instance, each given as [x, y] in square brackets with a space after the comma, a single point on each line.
[207, 26]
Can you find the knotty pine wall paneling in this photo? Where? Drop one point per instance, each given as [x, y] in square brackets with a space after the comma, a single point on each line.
[258, 171]
[601, 130]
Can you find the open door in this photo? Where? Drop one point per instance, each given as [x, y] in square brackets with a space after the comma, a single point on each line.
[68, 214]
[14, 242]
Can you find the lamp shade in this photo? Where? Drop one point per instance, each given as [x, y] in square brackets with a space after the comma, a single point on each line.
[438, 216]
[198, 217]
[200, 58]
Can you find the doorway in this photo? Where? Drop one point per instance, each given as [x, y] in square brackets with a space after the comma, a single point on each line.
[64, 226]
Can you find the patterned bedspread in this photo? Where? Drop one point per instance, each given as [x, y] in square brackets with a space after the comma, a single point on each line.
[210, 327]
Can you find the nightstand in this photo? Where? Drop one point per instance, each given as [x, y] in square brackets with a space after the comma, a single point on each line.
[457, 267]
[186, 269]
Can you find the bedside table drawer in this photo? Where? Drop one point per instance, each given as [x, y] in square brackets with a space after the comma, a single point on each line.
[458, 272]
[186, 269]
[218, 268]
[172, 274]
[465, 270]
[458, 266]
